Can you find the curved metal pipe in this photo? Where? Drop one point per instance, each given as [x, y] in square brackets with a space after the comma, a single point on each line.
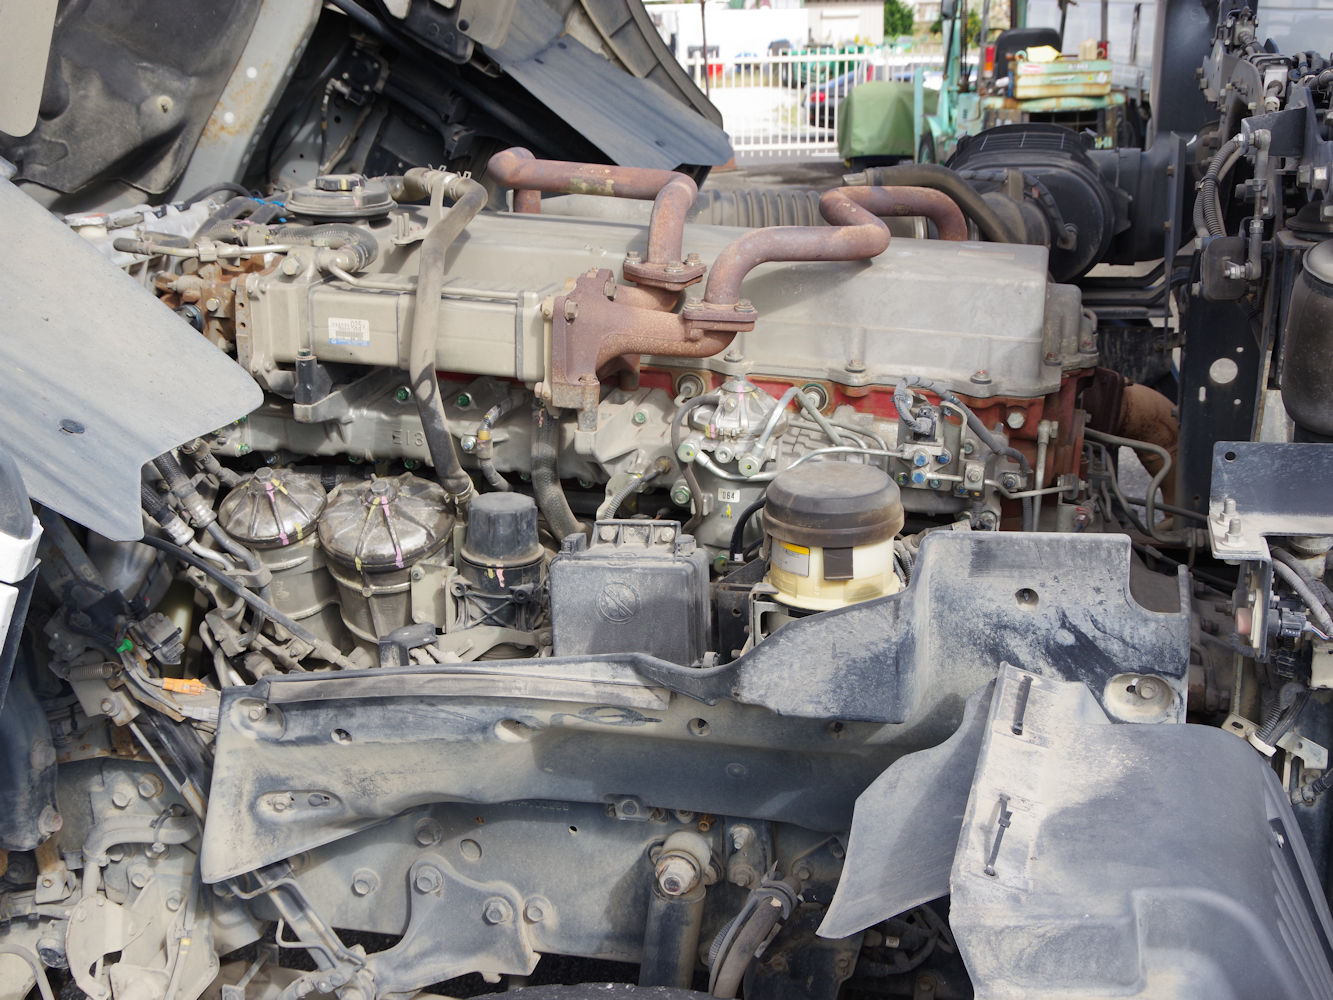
[672, 193]
[856, 234]
[936, 206]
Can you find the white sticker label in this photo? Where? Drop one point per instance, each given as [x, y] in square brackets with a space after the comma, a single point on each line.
[350, 332]
[729, 496]
[793, 559]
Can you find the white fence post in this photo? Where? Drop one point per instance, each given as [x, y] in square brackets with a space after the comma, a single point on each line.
[778, 106]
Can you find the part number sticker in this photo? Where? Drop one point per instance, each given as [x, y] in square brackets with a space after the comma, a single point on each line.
[794, 559]
[349, 332]
[729, 496]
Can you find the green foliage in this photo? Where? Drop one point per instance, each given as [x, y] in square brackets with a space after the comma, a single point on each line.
[898, 19]
[973, 26]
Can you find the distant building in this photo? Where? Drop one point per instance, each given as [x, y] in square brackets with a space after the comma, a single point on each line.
[837, 21]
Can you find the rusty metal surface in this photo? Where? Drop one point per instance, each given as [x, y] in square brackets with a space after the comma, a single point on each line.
[673, 195]
[856, 235]
[1147, 415]
[936, 206]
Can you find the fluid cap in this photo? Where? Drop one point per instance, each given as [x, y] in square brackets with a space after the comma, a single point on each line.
[273, 508]
[385, 524]
[502, 530]
[833, 505]
[341, 196]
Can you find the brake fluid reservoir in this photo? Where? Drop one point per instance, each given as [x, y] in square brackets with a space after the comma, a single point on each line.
[829, 529]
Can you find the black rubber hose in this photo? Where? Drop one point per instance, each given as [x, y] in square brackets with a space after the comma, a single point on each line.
[687, 468]
[469, 198]
[738, 533]
[201, 513]
[546, 489]
[228, 222]
[226, 186]
[932, 175]
[1208, 190]
[990, 441]
[902, 402]
[492, 475]
[325, 650]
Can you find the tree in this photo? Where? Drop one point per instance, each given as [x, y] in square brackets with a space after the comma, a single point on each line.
[899, 19]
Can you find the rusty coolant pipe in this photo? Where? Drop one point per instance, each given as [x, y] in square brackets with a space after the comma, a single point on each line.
[936, 206]
[853, 234]
[673, 194]
[1147, 415]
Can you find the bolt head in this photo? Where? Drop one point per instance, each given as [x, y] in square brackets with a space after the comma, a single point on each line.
[640, 417]
[677, 875]
[107, 706]
[428, 879]
[981, 377]
[497, 911]
[534, 912]
[256, 713]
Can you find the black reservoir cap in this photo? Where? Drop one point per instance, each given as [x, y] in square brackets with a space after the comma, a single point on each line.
[502, 530]
[833, 505]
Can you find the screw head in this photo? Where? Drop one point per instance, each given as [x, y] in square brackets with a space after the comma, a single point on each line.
[364, 882]
[464, 400]
[640, 417]
[402, 394]
[981, 377]
[497, 910]
[535, 911]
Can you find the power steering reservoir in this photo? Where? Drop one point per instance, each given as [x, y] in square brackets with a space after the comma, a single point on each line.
[829, 530]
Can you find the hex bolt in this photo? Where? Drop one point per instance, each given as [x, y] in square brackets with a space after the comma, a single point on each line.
[607, 532]
[677, 874]
[497, 910]
[428, 879]
[675, 267]
[213, 304]
[981, 377]
[1147, 689]
[693, 259]
[1009, 481]
[680, 495]
[291, 265]
[364, 882]
[107, 706]
[256, 712]
[632, 256]
[640, 418]
[120, 796]
[1016, 419]
[149, 786]
[138, 876]
[534, 912]
[175, 901]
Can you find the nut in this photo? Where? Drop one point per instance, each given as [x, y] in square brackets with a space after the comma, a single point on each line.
[677, 874]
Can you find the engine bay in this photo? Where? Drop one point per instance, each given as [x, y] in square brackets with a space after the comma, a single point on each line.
[929, 601]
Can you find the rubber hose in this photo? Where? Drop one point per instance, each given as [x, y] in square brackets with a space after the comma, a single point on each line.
[932, 175]
[469, 199]
[492, 475]
[546, 488]
[179, 484]
[226, 186]
[687, 468]
[1208, 193]
[227, 223]
[738, 532]
[727, 977]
